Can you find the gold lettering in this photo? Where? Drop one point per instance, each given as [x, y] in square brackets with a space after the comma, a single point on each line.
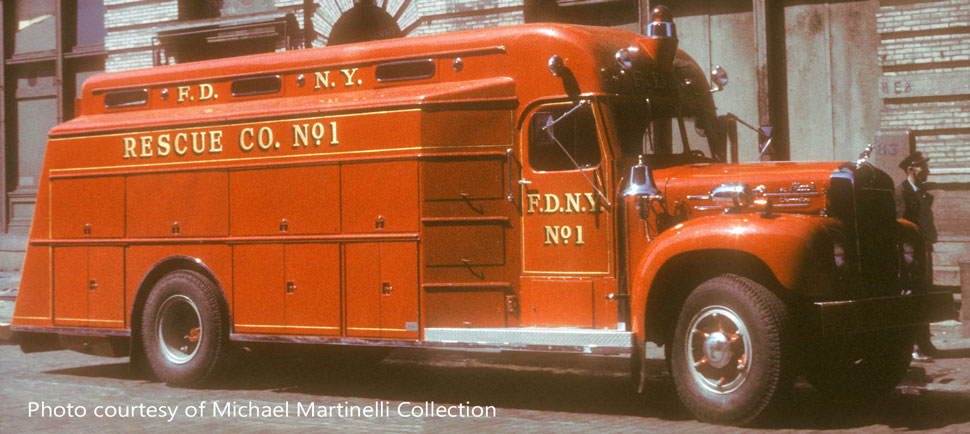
[300, 135]
[130, 145]
[533, 202]
[206, 92]
[317, 132]
[198, 143]
[183, 93]
[566, 232]
[333, 134]
[592, 201]
[164, 145]
[244, 144]
[323, 80]
[572, 202]
[579, 236]
[349, 73]
[146, 146]
[215, 141]
[552, 235]
[552, 204]
[265, 138]
[181, 138]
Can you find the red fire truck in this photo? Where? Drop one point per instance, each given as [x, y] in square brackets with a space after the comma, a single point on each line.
[536, 188]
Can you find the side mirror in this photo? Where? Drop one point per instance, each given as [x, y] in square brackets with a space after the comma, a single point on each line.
[719, 79]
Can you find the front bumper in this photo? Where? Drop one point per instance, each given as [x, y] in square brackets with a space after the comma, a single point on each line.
[857, 316]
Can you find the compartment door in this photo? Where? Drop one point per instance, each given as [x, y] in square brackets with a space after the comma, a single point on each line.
[379, 197]
[258, 289]
[88, 207]
[399, 290]
[106, 295]
[313, 289]
[566, 227]
[363, 280]
[71, 286]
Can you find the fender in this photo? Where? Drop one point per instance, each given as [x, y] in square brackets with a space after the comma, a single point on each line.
[789, 245]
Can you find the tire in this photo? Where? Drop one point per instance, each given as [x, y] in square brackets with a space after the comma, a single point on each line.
[860, 367]
[729, 357]
[185, 330]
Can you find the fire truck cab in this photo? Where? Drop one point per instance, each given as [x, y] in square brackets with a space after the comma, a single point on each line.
[535, 188]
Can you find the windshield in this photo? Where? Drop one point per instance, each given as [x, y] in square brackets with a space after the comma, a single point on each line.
[656, 131]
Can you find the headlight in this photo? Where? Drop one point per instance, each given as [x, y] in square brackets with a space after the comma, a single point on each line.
[838, 253]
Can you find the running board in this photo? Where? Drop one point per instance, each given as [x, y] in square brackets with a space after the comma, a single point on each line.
[536, 339]
[557, 340]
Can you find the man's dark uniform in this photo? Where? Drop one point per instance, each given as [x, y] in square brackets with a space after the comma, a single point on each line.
[918, 208]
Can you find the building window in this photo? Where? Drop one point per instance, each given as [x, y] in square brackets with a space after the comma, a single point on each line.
[90, 20]
[34, 26]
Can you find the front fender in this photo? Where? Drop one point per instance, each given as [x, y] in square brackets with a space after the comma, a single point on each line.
[791, 246]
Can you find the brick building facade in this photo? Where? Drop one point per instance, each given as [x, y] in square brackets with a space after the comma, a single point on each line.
[924, 55]
[827, 75]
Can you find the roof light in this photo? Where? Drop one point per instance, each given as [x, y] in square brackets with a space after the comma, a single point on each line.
[662, 25]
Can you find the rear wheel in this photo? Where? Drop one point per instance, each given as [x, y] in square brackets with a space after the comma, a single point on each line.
[728, 357]
[185, 329]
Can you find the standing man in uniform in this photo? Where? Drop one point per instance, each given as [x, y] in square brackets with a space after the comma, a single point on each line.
[918, 204]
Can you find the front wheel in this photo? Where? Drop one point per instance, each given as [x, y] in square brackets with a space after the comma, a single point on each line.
[184, 329]
[729, 356]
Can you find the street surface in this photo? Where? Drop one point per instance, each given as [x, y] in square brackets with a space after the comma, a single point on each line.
[528, 393]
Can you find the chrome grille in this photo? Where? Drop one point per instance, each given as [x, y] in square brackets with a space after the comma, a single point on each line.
[862, 197]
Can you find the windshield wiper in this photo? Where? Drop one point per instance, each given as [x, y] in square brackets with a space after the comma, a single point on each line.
[548, 129]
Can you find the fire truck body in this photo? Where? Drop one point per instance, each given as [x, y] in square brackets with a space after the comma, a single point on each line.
[470, 190]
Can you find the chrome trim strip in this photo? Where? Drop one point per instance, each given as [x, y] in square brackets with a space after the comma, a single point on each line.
[809, 194]
[71, 331]
[532, 336]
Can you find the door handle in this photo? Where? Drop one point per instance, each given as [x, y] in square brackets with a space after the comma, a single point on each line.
[290, 287]
[524, 182]
[386, 288]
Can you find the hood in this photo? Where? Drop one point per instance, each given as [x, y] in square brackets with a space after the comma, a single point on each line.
[791, 186]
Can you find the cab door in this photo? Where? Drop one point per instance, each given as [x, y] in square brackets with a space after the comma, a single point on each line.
[566, 223]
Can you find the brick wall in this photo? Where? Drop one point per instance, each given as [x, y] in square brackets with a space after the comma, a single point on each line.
[925, 86]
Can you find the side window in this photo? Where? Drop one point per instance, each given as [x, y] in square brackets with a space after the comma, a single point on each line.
[576, 133]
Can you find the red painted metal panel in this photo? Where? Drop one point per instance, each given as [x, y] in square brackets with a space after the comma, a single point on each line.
[257, 273]
[363, 289]
[34, 302]
[381, 197]
[88, 207]
[399, 290]
[464, 307]
[285, 201]
[313, 289]
[178, 204]
[557, 302]
[468, 243]
[71, 286]
[566, 226]
[604, 310]
[106, 301]
[464, 180]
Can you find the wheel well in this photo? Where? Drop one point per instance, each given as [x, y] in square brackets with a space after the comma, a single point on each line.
[684, 272]
[160, 269]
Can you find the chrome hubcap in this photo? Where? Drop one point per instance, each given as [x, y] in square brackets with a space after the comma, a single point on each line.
[179, 328]
[718, 349]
